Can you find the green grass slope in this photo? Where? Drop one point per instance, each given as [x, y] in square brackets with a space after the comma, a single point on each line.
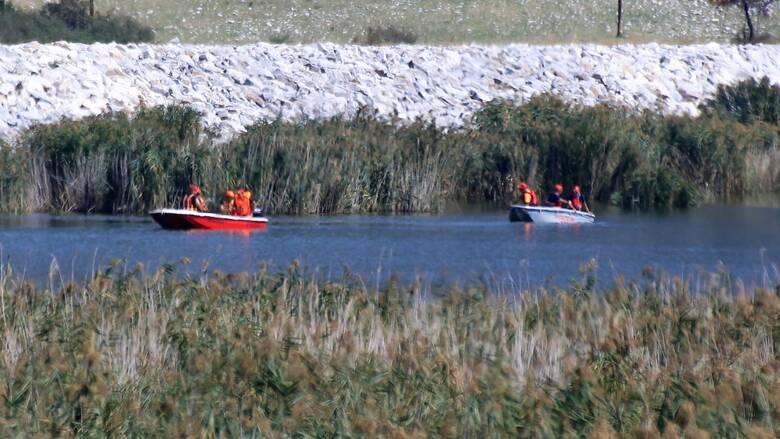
[433, 21]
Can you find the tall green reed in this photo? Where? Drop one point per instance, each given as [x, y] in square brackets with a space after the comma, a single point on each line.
[113, 163]
[15, 182]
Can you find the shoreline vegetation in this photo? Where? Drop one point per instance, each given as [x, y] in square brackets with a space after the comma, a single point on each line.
[117, 164]
[254, 354]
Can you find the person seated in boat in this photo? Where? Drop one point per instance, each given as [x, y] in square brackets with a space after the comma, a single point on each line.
[194, 199]
[555, 199]
[248, 194]
[527, 196]
[578, 200]
[243, 202]
[228, 205]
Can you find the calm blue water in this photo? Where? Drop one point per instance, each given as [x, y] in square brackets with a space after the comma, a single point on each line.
[445, 248]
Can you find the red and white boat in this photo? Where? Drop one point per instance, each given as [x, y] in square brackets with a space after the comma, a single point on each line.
[181, 219]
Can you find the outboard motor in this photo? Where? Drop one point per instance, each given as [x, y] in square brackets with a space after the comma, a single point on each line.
[258, 212]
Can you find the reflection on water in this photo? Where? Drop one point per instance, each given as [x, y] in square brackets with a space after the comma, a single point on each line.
[455, 247]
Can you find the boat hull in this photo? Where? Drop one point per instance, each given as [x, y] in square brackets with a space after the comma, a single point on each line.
[548, 215]
[179, 219]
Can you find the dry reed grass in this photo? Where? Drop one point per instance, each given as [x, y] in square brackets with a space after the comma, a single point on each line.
[256, 354]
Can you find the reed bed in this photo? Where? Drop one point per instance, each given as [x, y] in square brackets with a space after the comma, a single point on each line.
[269, 354]
[117, 164]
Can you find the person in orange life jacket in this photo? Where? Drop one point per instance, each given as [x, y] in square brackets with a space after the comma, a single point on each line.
[527, 196]
[555, 199]
[578, 200]
[243, 201]
[248, 195]
[194, 199]
[228, 206]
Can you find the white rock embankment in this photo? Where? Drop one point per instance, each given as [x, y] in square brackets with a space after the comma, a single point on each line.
[234, 87]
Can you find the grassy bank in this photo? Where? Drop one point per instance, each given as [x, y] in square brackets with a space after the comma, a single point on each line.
[117, 164]
[276, 354]
[434, 21]
[68, 20]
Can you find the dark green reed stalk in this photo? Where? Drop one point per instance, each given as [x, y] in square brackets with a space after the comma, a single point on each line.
[360, 165]
[112, 163]
[279, 354]
[748, 101]
[15, 183]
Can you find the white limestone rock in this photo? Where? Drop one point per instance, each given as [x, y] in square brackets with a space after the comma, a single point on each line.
[234, 87]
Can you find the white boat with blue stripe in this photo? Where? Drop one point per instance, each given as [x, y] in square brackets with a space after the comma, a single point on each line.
[548, 215]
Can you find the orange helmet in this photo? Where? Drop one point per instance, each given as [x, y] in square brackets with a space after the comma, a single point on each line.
[230, 194]
[576, 189]
[558, 187]
[522, 186]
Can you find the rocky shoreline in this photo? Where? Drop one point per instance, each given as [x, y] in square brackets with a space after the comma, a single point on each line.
[236, 86]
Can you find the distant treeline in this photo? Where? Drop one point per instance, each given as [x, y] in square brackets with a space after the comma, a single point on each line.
[117, 164]
[68, 20]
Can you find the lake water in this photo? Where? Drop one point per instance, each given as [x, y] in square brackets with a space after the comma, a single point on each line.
[460, 246]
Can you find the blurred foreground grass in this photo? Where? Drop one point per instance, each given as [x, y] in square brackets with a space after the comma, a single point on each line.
[268, 354]
[433, 21]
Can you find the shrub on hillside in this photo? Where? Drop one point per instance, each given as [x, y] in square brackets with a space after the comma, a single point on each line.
[747, 101]
[22, 26]
[69, 21]
[72, 12]
[377, 36]
[120, 29]
[279, 38]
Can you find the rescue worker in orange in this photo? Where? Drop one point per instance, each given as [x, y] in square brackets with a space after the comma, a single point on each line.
[243, 202]
[228, 206]
[527, 196]
[578, 200]
[555, 198]
[194, 199]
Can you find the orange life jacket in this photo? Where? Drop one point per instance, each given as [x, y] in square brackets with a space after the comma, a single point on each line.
[576, 202]
[243, 204]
